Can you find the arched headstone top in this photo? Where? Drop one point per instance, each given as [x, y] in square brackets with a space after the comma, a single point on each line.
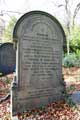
[40, 17]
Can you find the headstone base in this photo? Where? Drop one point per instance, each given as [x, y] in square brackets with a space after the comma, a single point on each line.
[22, 104]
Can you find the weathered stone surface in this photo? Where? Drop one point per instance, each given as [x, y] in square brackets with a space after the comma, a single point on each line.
[39, 38]
[7, 58]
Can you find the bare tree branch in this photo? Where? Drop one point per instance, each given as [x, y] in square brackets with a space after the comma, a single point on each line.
[77, 9]
[60, 5]
[75, 13]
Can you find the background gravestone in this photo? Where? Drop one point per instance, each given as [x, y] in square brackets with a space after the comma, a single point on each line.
[39, 39]
[7, 58]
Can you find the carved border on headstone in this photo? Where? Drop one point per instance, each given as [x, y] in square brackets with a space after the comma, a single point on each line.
[15, 37]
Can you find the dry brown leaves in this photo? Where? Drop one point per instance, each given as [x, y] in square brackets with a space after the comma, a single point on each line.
[55, 111]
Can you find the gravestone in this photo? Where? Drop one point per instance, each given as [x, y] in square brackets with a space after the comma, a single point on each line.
[7, 58]
[39, 40]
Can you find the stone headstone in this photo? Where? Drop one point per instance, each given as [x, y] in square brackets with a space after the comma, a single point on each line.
[76, 97]
[39, 40]
[7, 58]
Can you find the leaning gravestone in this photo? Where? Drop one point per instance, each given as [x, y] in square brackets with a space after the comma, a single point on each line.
[7, 58]
[39, 40]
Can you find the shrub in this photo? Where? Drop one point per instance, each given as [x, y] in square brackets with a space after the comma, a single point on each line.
[77, 63]
[69, 60]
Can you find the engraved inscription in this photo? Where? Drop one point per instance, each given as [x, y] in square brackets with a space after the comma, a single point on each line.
[41, 60]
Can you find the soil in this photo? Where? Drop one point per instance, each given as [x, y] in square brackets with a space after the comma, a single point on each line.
[72, 77]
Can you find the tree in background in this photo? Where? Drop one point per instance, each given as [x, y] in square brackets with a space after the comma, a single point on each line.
[71, 14]
[7, 37]
[75, 39]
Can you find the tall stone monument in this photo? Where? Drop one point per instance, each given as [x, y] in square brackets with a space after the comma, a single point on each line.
[39, 40]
